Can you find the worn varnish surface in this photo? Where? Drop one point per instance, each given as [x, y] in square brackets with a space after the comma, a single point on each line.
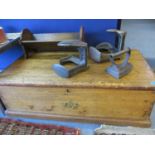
[77, 101]
[29, 88]
[37, 71]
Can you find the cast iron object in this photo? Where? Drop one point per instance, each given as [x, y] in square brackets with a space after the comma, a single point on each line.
[121, 40]
[119, 70]
[80, 62]
[98, 56]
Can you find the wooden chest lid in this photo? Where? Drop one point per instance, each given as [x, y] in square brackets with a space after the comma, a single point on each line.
[37, 71]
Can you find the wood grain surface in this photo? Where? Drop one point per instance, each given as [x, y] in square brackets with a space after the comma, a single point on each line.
[36, 71]
[30, 88]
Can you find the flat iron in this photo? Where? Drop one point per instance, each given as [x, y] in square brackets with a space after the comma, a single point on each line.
[96, 53]
[119, 70]
[80, 62]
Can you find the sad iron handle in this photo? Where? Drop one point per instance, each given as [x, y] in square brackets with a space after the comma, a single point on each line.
[112, 56]
[120, 32]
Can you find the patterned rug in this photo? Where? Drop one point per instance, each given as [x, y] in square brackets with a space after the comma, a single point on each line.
[12, 127]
